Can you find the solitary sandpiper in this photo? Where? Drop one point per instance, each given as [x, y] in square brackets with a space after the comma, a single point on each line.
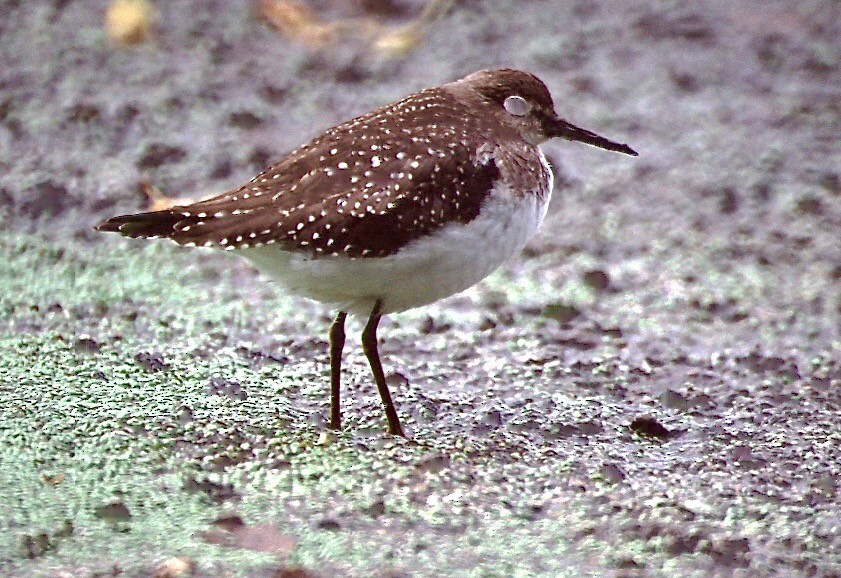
[397, 208]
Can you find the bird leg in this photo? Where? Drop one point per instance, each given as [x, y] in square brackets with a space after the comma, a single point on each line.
[337, 343]
[369, 346]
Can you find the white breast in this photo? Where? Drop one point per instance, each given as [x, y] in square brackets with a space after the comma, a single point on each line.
[450, 260]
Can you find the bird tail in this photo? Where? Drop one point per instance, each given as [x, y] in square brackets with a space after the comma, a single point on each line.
[189, 226]
[149, 225]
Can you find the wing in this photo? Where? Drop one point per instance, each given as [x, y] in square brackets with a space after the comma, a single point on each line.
[361, 189]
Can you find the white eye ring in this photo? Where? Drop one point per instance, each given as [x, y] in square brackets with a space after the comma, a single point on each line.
[516, 105]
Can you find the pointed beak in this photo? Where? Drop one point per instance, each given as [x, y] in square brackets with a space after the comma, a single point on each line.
[558, 127]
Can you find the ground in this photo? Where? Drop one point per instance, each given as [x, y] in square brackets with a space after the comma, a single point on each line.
[652, 389]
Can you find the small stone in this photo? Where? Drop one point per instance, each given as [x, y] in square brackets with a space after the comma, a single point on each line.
[175, 568]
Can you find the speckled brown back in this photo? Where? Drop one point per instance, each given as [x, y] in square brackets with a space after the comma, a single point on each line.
[369, 186]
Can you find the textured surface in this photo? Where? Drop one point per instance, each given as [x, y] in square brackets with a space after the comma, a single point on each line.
[652, 389]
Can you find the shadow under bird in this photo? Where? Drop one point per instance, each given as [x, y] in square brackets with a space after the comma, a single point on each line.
[397, 208]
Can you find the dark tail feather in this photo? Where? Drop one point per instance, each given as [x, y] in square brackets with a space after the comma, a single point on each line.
[187, 227]
[148, 225]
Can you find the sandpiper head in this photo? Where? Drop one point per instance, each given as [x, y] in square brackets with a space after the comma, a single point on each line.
[522, 101]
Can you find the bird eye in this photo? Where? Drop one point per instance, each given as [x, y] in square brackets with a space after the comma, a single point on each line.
[516, 105]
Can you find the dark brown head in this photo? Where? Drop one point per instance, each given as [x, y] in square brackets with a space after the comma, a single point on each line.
[523, 101]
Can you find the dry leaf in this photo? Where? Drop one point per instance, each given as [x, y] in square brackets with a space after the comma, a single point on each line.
[160, 201]
[299, 22]
[397, 42]
[129, 21]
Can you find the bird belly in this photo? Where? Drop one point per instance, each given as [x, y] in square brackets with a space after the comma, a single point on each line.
[448, 261]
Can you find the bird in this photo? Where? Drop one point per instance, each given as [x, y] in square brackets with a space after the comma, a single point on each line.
[394, 209]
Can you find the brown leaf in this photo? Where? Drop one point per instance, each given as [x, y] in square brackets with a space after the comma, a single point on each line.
[301, 23]
[158, 200]
[298, 22]
[129, 21]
